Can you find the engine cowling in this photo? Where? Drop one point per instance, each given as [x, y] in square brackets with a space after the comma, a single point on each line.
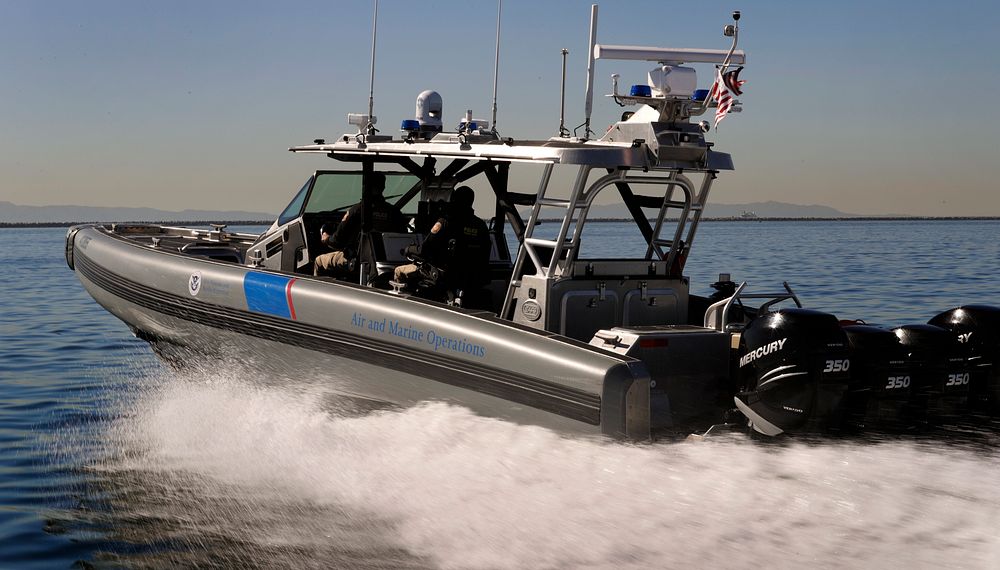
[941, 372]
[977, 328]
[794, 367]
[882, 380]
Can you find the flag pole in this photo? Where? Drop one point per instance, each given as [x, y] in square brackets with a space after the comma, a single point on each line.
[733, 30]
[720, 85]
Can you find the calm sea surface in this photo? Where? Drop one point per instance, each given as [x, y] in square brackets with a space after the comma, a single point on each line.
[109, 458]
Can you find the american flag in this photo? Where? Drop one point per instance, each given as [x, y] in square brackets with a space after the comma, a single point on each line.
[720, 92]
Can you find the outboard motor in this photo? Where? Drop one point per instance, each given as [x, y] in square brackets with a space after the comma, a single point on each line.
[977, 327]
[940, 372]
[794, 367]
[881, 380]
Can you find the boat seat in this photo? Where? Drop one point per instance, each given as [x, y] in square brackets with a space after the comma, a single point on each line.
[212, 251]
[602, 294]
[389, 252]
[390, 247]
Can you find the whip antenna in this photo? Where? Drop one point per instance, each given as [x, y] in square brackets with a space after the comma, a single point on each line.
[370, 128]
[496, 67]
[563, 131]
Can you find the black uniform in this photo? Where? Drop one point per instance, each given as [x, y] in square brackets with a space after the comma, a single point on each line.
[461, 249]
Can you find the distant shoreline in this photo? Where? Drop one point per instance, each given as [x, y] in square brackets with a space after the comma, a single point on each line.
[169, 223]
[547, 220]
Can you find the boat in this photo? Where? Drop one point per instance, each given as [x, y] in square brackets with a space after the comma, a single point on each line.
[612, 347]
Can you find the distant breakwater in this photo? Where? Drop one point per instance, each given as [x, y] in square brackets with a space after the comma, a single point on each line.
[169, 223]
[544, 220]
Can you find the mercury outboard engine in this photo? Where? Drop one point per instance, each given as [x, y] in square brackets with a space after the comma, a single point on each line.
[881, 381]
[977, 328]
[940, 372]
[794, 367]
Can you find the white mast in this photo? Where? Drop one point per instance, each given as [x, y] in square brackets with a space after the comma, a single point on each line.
[590, 71]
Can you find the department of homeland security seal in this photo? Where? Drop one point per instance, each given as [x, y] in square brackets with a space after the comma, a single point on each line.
[194, 283]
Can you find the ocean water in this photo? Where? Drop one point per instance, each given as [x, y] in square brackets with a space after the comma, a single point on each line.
[109, 458]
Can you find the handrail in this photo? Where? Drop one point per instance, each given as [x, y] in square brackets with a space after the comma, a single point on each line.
[713, 313]
[721, 318]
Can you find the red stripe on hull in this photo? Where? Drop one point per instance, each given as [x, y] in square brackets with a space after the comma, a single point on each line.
[288, 295]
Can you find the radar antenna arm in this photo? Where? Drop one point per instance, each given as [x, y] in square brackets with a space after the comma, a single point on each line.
[614, 90]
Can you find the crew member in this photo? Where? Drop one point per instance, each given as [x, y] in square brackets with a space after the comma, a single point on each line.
[345, 240]
[458, 245]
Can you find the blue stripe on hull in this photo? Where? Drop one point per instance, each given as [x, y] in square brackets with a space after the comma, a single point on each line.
[266, 293]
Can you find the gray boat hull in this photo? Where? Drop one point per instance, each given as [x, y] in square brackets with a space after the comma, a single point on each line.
[366, 342]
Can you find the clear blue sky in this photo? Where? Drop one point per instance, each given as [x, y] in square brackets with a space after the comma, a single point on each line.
[869, 107]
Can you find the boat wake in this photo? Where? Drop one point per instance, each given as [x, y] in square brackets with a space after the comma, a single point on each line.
[216, 467]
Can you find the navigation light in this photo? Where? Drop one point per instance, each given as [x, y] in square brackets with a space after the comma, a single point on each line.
[640, 91]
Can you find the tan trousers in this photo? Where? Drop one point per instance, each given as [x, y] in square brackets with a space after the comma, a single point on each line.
[404, 273]
[333, 263]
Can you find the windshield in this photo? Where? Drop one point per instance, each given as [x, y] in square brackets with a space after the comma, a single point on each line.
[335, 191]
[295, 206]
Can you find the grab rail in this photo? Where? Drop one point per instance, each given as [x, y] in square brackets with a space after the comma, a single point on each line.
[717, 314]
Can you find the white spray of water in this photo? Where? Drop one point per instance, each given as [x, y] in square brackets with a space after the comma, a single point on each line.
[462, 491]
